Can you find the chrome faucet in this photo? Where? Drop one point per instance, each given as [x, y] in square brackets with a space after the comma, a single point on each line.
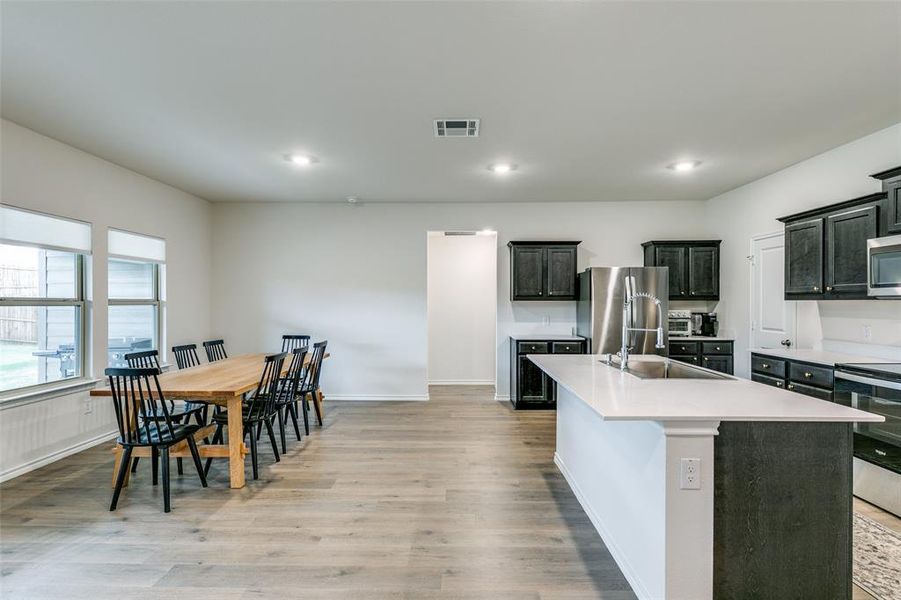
[630, 297]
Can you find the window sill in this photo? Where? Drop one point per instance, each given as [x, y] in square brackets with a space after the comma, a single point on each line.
[14, 398]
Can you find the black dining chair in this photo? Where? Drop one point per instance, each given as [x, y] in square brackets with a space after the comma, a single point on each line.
[186, 356]
[290, 342]
[309, 384]
[215, 350]
[142, 414]
[286, 407]
[179, 413]
[258, 411]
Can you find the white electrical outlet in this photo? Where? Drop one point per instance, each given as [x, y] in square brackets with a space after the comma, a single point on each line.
[545, 320]
[690, 474]
[89, 406]
[867, 332]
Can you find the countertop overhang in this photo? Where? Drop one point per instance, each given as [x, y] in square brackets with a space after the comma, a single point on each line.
[618, 396]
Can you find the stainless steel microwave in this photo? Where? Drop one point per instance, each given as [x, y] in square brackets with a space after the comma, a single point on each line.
[884, 267]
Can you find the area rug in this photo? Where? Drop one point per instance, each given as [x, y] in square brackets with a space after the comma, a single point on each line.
[877, 558]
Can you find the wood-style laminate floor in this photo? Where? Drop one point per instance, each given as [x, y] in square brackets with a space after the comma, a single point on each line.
[453, 498]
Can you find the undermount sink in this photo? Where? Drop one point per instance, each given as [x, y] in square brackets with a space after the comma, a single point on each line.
[669, 369]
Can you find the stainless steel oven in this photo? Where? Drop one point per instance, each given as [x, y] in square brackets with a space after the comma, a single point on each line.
[875, 388]
[884, 267]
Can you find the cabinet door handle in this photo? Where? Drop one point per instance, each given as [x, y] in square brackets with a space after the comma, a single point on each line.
[692, 293]
[765, 366]
[540, 293]
[791, 386]
[779, 384]
[828, 288]
[682, 293]
[706, 359]
[717, 347]
[816, 288]
[808, 374]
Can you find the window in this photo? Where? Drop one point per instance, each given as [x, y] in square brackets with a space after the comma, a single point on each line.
[135, 289]
[42, 298]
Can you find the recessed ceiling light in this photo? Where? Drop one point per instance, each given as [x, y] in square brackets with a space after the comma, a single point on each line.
[352, 200]
[501, 168]
[684, 166]
[301, 160]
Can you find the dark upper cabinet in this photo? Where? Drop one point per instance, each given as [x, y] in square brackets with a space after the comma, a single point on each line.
[543, 270]
[674, 258]
[527, 272]
[804, 258]
[694, 267]
[826, 249]
[846, 250]
[561, 272]
[704, 271]
[891, 185]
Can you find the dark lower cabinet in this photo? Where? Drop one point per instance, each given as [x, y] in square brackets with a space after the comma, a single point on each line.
[801, 377]
[530, 387]
[534, 386]
[714, 355]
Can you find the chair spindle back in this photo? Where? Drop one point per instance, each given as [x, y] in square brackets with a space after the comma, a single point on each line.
[186, 356]
[215, 350]
[142, 413]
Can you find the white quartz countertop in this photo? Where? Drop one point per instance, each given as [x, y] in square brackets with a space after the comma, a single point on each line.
[699, 338]
[620, 396]
[538, 337]
[820, 357]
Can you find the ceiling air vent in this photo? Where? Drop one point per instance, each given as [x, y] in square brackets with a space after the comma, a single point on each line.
[456, 127]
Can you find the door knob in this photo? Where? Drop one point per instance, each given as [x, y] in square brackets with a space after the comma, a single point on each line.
[787, 343]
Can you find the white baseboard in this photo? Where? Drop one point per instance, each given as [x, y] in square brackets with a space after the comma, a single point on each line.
[55, 456]
[502, 397]
[621, 561]
[461, 382]
[376, 397]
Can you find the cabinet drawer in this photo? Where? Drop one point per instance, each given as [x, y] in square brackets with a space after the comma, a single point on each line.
[532, 348]
[683, 347]
[567, 347]
[808, 390]
[810, 375]
[768, 365]
[692, 360]
[765, 379]
[716, 347]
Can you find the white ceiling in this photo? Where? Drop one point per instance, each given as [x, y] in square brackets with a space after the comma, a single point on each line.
[592, 101]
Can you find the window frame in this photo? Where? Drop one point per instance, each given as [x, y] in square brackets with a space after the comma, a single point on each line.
[79, 301]
[157, 301]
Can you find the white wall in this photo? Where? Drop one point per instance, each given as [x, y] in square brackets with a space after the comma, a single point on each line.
[738, 215]
[462, 305]
[41, 174]
[357, 276]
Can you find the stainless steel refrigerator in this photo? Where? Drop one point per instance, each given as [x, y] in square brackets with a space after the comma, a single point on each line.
[600, 308]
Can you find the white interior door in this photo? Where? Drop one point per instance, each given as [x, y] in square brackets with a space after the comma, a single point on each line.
[772, 318]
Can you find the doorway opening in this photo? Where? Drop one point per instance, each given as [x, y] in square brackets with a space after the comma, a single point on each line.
[462, 307]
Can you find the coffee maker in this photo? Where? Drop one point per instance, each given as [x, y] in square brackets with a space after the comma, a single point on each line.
[704, 324]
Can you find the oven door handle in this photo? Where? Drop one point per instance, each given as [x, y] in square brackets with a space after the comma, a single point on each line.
[868, 380]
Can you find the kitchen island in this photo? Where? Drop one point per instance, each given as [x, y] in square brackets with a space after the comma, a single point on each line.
[708, 488]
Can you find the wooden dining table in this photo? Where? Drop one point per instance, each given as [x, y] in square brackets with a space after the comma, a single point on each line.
[222, 383]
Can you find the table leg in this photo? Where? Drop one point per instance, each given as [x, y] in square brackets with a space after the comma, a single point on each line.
[235, 442]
